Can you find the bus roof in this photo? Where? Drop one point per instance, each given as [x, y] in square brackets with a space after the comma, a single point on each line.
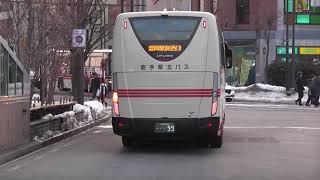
[166, 13]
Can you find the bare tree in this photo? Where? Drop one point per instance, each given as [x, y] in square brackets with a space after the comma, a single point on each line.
[213, 6]
[267, 26]
[42, 30]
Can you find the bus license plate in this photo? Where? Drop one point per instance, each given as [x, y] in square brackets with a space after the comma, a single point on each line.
[164, 128]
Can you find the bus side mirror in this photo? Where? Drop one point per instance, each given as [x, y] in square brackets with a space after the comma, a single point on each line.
[228, 57]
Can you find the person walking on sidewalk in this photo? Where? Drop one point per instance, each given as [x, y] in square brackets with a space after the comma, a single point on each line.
[95, 85]
[315, 88]
[300, 87]
[310, 93]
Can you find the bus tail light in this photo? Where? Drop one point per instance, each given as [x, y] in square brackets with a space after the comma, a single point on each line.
[115, 103]
[214, 106]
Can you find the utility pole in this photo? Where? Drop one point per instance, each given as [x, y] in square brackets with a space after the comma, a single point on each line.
[293, 70]
[78, 60]
[132, 5]
[286, 4]
[122, 6]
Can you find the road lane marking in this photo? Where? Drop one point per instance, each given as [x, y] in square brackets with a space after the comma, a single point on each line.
[260, 105]
[38, 157]
[15, 168]
[54, 150]
[271, 127]
[96, 132]
[106, 127]
[274, 106]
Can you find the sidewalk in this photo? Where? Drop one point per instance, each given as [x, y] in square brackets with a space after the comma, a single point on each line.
[7, 156]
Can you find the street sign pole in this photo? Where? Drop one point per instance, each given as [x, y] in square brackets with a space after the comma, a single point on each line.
[293, 70]
[287, 45]
[78, 43]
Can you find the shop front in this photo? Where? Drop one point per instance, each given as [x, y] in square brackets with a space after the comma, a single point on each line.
[243, 71]
[305, 55]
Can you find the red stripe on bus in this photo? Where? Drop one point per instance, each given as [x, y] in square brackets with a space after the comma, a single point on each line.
[130, 90]
[165, 95]
[165, 92]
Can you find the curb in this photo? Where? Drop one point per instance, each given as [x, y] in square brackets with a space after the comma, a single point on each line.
[34, 146]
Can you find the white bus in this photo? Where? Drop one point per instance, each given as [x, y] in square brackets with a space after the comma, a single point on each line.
[168, 77]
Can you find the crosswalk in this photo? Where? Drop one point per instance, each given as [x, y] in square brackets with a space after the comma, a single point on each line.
[273, 106]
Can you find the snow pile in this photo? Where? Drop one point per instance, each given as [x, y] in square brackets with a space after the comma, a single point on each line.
[48, 134]
[97, 109]
[47, 117]
[83, 113]
[259, 87]
[80, 116]
[266, 93]
[35, 98]
[69, 121]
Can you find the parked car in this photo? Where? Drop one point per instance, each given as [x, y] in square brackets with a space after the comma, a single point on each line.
[229, 93]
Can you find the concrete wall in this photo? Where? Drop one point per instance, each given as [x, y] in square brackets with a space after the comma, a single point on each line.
[14, 122]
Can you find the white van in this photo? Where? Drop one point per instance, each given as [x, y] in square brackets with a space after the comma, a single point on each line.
[168, 77]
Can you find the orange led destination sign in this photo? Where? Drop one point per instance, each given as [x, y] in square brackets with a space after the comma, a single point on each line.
[165, 48]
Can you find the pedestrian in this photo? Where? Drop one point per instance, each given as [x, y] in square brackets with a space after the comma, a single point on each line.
[310, 92]
[95, 85]
[300, 87]
[316, 89]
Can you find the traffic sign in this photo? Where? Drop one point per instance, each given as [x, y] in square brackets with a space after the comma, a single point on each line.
[79, 38]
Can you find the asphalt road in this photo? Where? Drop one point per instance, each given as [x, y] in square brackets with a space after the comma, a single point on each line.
[260, 142]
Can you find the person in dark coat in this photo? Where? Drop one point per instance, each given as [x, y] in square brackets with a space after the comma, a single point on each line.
[315, 88]
[95, 85]
[300, 87]
[310, 93]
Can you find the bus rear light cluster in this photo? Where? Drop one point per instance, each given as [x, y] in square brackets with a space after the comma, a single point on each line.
[214, 106]
[115, 103]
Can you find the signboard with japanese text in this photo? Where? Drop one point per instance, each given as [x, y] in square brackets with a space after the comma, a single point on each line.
[164, 67]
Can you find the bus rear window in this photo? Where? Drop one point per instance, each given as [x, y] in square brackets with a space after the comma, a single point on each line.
[165, 28]
[165, 38]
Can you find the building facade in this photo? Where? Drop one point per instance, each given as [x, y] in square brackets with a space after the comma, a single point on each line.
[14, 99]
[4, 19]
[245, 24]
[307, 30]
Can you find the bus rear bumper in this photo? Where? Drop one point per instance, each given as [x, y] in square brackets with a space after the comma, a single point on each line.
[144, 128]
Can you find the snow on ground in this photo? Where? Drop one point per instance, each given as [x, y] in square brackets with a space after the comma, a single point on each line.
[35, 98]
[80, 116]
[97, 109]
[266, 93]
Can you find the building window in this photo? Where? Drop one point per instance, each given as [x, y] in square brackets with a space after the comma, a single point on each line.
[243, 11]
[19, 84]
[11, 76]
[3, 71]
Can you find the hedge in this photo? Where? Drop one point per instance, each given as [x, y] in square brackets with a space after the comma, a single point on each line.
[277, 72]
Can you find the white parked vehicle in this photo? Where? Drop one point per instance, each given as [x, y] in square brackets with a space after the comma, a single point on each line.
[168, 77]
[229, 93]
